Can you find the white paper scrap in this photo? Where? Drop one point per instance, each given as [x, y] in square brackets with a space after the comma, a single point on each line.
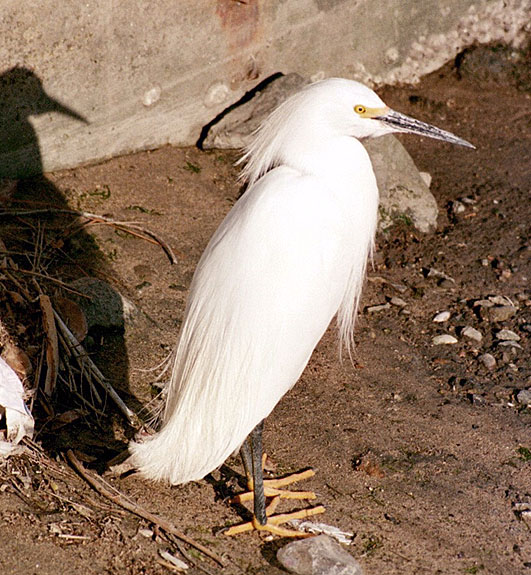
[19, 421]
[322, 528]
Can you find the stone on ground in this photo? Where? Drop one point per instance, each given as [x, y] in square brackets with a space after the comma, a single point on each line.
[319, 555]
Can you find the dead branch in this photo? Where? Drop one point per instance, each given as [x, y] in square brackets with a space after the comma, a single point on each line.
[52, 345]
[88, 366]
[129, 227]
[111, 493]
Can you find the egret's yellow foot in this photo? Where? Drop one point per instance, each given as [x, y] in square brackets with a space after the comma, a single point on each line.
[274, 522]
[272, 488]
[273, 491]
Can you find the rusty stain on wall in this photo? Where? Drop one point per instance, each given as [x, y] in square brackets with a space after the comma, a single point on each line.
[240, 22]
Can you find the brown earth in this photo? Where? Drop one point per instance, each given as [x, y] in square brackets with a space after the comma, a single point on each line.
[420, 450]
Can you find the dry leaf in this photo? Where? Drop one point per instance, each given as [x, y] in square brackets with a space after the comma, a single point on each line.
[17, 360]
[72, 315]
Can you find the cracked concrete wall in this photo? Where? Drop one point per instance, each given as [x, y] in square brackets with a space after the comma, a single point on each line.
[84, 81]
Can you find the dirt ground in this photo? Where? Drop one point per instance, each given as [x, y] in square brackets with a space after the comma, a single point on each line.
[420, 450]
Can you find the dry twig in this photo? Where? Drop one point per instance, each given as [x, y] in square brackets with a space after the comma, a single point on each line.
[132, 228]
[52, 344]
[89, 367]
[108, 491]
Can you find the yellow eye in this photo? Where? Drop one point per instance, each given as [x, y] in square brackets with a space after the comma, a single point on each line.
[359, 109]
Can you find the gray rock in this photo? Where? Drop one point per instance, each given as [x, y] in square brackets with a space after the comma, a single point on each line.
[319, 555]
[507, 335]
[524, 397]
[437, 275]
[488, 360]
[472, 333]
[483, 303]
[103, 306]
[510, 343]
[458, 207]
[477, 399]
[500, 300]
[403, 191]
[398, 301]
[377, 308]
[444, 339]
[501, 313]
[442, 316]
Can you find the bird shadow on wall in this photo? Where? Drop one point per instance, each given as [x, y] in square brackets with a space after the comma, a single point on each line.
[50, 263]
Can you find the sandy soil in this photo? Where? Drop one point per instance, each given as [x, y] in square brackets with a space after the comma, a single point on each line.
[420, 450]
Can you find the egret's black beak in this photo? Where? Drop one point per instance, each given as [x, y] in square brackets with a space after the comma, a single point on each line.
[402, 123]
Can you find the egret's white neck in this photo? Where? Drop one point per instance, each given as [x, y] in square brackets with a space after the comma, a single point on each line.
[334, 158]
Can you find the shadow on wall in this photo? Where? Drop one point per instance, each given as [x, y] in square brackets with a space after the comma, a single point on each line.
[21, 97]
[44, 249]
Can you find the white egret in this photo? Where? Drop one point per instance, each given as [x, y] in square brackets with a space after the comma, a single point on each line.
[289, 256]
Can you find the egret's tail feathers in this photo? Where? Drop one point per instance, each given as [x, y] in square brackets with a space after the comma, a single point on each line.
[178, 453]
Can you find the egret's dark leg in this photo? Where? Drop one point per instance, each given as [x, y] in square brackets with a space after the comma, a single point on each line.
[247, 460]
[255, 439]
[252, 457]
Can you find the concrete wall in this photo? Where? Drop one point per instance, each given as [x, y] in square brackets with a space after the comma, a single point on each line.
[83, 81]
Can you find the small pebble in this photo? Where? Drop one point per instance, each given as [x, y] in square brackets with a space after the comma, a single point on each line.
[177, 563]
[501, 312]
[147, 533]
[442, 316]
[476, 399]
[458, 207]
[444, 339]
[437, 274]
[377, 308]
[472, 333]
[509, 343]
[488, 360]
[401, 288]
[319, 555]
[446, 283]
[524, 397]
[483, 303]
[151, 96]
[398, 301]
[507, 335]
[500, 300]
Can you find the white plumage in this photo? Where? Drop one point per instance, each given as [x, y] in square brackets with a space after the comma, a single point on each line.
[289, 256]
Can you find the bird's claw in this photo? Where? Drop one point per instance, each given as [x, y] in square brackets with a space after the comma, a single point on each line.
[273, 492]
[272, 488]
[274, 522]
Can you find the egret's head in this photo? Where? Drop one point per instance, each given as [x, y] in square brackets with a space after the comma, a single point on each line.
[325, 110]
[355, 109]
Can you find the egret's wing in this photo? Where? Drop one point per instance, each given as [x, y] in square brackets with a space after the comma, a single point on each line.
[276, 273]
[264, 291]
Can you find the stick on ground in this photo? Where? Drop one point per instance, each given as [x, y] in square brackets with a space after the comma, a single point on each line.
[82, 356]
[103, 488]
[52, 345]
